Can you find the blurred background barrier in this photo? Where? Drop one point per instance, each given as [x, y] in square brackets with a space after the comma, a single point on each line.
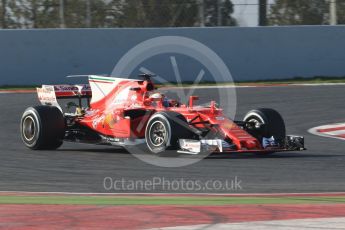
[46, 56]
[42, 41]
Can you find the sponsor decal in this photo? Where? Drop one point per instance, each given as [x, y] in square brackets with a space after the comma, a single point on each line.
[220, 118]
[110, 120]
[46, 95]
[268, 142]
[97, 120]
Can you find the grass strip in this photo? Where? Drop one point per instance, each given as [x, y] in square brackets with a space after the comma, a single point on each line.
[144, 200]
[19, 87]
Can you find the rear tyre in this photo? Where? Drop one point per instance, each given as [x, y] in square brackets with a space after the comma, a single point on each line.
[266, 123]
[42, 128]
[163, 131]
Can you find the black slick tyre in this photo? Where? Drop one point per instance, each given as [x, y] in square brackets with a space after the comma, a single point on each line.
[267, 123]
[163, 131]
[42, 128]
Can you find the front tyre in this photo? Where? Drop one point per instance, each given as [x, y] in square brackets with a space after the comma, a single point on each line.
[42, 128]
[163, 131]
[266, 123]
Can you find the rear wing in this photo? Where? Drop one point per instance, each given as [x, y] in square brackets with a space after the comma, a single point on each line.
[49, 94]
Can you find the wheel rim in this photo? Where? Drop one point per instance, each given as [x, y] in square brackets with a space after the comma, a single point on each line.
[29, 128]
[256, 121]
[158, 133]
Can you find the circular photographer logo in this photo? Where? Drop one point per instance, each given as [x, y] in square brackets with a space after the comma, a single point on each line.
[171, 60]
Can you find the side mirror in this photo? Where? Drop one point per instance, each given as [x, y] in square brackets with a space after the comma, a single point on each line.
[191, 100]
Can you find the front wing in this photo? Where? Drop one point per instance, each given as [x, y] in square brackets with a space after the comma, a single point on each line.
[194, 147]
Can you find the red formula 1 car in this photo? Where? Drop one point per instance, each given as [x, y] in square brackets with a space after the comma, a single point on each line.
[128, 112]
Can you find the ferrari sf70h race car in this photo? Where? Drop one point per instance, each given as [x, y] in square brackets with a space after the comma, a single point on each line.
[130, 112]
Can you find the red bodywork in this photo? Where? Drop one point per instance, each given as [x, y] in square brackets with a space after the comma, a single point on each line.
[124, 110]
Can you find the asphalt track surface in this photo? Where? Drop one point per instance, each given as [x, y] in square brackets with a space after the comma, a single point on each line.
[82, 168]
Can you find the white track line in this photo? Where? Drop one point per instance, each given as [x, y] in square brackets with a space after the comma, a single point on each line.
[254, 86]
[227, 86]
[298, 224]
[210, 87]
[15, 92]
[320, 84]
